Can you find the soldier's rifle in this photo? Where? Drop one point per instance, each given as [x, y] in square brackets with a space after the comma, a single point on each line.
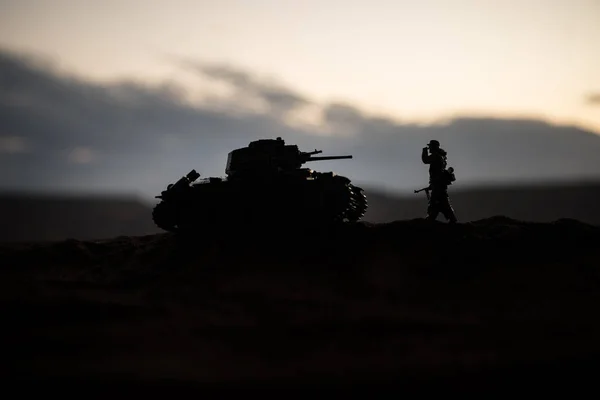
[426, 189]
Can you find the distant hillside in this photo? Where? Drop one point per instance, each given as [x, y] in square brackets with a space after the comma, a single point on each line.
[50, 218]
[536, 204]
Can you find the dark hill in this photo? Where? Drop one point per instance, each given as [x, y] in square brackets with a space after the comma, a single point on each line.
[51, 217]
[489, 305]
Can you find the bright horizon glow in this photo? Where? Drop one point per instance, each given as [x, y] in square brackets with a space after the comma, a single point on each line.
[414, 61]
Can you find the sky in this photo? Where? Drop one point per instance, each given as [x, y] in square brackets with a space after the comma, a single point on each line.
[128, 96]
[414, 61]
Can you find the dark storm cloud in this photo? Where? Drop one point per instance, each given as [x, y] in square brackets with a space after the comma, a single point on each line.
[593, 99]
[278, 98]
[131, 136]
[57, 111]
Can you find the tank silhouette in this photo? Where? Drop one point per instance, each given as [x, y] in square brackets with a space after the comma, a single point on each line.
[265, 181]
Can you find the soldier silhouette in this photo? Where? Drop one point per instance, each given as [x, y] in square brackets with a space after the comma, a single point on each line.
[439, 180]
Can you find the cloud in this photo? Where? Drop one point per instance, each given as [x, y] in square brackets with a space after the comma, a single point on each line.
[277, 98]
[129, 136]
[13, 145]
[81, 155]
[593, 99]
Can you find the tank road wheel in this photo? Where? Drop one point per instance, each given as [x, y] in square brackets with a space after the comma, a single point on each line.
[358, 204]
[339, 198]
[164, 217]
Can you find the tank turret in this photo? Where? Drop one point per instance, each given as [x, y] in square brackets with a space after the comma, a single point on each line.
[267, 155]
[265, 181]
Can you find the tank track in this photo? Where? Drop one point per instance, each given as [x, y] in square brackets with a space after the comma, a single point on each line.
[164, 217]
[350, 206]
[358, 204]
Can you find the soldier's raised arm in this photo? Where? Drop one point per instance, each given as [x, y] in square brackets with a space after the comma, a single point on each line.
[425, 156]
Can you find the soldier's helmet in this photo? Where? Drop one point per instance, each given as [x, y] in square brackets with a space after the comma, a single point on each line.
[434, 144]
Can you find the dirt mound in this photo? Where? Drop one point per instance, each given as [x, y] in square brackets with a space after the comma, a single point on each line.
[409, 301]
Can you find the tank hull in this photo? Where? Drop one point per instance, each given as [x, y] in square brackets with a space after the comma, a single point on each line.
[322, 198]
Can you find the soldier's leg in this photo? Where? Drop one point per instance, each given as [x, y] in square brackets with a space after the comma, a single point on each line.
[432, 211]
[448, 211]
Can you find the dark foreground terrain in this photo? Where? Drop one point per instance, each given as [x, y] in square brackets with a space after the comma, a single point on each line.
[490, 305]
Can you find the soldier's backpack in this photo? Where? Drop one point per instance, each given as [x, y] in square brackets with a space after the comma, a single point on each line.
[449, 176]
